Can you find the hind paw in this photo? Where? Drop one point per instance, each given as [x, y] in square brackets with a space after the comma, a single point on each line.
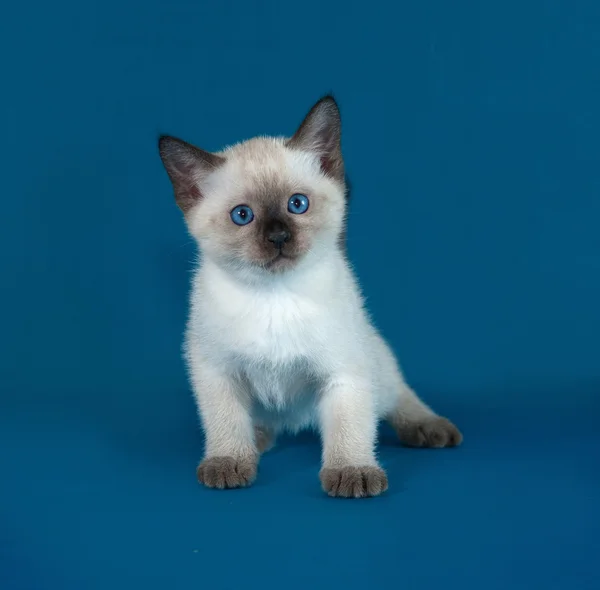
[436, 432]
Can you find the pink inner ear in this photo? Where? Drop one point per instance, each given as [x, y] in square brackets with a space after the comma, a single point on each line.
[186, 181]
[326, 164]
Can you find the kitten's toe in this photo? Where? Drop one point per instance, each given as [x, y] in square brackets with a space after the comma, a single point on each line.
[353, 482]
[436, 432]
[226, 472]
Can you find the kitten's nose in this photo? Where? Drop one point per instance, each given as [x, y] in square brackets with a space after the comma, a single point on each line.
[278, 235]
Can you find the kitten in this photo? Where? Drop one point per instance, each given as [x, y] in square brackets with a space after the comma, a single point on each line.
[278, 338]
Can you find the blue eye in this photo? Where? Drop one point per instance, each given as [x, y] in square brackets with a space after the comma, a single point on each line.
[298, 204]
[242, 215]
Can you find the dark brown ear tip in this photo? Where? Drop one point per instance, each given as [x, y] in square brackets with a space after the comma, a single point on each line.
[329, 98]
[171, 146]
[329, 105]
[164, 141]
[328, 101]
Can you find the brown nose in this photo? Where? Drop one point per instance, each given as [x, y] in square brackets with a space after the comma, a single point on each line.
[278, 234]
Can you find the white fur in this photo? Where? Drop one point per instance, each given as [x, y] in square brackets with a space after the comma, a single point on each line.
[286, 350]
[293, 351]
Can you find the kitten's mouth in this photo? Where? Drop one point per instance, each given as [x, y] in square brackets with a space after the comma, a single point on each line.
[280, 260]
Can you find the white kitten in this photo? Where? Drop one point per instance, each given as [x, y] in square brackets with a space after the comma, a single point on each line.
[278, 337]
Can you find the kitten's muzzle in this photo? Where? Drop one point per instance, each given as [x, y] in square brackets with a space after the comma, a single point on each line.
[278, 234]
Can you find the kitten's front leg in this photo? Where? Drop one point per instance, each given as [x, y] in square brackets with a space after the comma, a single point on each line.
[231, 456]
[348, 424]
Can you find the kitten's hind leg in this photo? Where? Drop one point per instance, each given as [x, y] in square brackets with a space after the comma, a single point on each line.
[418, 426]
[265, 438]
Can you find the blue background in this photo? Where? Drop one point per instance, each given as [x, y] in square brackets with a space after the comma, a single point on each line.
[472, 137]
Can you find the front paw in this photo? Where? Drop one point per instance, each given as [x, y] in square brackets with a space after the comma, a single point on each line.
[353, 482]
[226, 472]
[436, 432]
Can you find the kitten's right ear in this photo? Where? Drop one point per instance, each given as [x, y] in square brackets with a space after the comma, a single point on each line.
[187, 166]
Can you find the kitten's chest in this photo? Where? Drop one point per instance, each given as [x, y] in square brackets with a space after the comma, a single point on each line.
[277, 387]
[279, 329]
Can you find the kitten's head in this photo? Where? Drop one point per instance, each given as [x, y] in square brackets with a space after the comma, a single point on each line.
[267, 203]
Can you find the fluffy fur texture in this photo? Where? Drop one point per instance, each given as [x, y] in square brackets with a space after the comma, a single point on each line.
[278, 337]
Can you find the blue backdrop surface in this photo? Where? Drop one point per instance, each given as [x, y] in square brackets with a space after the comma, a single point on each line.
[471, 134]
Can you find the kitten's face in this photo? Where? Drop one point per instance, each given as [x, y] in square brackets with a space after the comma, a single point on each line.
[267, 203]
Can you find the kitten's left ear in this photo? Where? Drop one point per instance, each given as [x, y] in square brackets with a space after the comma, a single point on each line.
[321, 132]
[187, 167]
